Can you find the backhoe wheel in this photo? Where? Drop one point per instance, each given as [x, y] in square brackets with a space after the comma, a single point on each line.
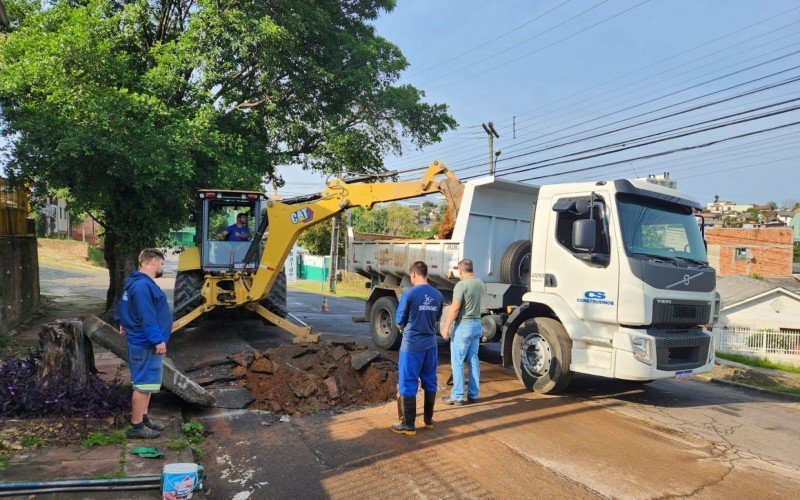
[276, 300]
[385, 333]
[515, 265]
[187, 285]
[542, 353]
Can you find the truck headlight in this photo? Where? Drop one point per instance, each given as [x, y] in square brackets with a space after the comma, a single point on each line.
[641, 350]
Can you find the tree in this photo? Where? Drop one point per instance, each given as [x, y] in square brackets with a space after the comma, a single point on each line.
[370, 221]
[131, 105]
[772, 205]
[317, 239]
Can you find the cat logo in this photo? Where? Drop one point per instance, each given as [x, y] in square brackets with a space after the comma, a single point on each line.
[302, 215]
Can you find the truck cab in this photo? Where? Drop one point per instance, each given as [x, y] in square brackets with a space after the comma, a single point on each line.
[620, 287]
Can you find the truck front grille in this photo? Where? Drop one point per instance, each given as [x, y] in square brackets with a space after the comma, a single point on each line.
[681, 313]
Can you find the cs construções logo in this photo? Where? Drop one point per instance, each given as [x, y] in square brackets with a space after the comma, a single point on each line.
[595, 297]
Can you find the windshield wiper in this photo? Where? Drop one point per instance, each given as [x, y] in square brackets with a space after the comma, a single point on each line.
[663, 258]
[695, 261]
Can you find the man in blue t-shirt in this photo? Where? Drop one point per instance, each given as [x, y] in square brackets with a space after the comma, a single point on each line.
[236, 232]
[418, 316]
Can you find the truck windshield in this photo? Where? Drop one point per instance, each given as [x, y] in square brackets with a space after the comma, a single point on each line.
[653, 228]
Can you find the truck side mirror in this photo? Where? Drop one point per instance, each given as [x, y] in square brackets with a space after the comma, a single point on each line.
[583, 234]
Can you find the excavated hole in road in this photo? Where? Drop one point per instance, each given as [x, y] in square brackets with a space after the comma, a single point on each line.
[306, 378]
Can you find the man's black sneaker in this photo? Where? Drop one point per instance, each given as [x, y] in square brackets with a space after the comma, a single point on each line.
[141, 432]
[450, 401]
[151, 424]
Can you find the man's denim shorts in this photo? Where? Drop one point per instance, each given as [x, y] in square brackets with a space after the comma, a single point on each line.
[145, 368]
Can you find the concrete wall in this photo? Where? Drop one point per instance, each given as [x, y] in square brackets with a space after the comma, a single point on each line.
[771, 250]
[19, 280]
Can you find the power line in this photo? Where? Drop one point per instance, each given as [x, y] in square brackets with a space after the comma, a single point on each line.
[664, 153]
[484, 44]
[492, 56]
[652, 120]
[545, 47]
[638, 70]
[655, 99]
[538, 164]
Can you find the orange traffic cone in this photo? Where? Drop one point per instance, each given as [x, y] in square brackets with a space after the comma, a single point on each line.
[324, 307]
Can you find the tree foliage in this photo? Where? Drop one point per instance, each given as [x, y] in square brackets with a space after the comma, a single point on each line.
[133, 104]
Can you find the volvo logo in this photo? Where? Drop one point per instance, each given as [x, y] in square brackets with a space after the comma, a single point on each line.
[686, 280]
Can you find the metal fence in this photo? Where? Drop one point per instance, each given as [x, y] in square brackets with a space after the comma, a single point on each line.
[14, 209]
[781, 345]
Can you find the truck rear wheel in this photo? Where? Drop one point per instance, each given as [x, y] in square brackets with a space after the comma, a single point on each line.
[542, 352]
[385, 333]
[515, 265]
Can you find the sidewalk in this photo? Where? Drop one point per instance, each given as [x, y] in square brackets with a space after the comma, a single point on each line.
[75, 461]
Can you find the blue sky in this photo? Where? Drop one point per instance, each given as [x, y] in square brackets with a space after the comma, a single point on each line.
[584, 64]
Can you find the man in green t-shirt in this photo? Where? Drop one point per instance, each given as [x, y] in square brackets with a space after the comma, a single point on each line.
[465, 314]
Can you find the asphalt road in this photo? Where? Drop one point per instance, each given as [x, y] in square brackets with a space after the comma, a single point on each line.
[602, 438]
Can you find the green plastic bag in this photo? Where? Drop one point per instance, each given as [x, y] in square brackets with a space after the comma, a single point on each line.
[146, 452]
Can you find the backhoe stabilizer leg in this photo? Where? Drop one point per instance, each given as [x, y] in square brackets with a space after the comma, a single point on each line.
[185, 320]
[302, 334]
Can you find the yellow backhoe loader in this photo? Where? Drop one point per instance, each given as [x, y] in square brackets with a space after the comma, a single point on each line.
[248, 273]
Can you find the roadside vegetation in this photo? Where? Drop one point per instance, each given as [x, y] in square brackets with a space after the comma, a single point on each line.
[758, 362]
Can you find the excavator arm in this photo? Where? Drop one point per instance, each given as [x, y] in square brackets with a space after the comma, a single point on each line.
[286, 221]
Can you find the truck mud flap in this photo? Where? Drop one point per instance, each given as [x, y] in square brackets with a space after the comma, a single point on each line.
[107, 336]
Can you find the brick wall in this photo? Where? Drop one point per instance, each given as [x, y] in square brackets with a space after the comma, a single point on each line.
[771, 250]
[87, 231]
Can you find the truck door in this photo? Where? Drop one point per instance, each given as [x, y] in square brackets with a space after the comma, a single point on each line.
[585, 275]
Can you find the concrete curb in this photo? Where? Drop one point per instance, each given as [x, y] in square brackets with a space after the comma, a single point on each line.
[781, 395]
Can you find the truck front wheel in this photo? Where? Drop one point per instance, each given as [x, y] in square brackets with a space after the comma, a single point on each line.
[541, 352]
[385, 333]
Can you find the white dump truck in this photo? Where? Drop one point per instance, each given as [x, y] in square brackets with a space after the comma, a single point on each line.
[604, 278]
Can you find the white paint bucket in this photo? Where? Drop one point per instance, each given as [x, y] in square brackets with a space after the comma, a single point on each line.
[179, 480]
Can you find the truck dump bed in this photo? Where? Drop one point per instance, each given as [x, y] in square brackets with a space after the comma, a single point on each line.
[493, 214]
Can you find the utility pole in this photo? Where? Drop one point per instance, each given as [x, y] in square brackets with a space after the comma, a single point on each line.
[492, 133]
[335, 223]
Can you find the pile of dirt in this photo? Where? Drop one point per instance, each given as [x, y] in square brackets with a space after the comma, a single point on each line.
[305, 378]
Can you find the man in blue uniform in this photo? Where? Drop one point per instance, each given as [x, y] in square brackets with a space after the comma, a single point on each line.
[236, 232]
[146, 321]
[418, 315]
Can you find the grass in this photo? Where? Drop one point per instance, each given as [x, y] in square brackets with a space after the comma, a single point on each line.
[4, 460]
[30, 441]
[176, 444]
[195, 433]
[5, 341]
[786, 389]
[343, 290]
[98, 438]
[96, 257]
[758, 362]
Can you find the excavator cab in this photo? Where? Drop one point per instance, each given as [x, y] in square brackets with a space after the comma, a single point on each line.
[223, 244]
